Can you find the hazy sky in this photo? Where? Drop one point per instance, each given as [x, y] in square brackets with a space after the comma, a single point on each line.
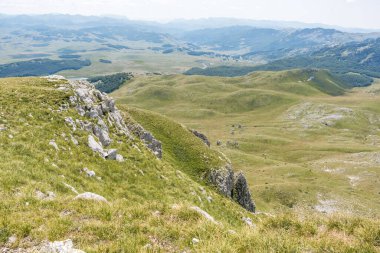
[349, 13]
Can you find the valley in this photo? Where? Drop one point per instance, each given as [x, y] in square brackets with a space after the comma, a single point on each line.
[297, 144]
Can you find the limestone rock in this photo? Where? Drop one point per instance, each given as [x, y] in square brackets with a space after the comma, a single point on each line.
[201, 136]
[204, 214]
[54, 145]
[95, 146]
[48, 196]
[111, 154]
[73, 140]
[102, 135]
[91, 196]
[249, 222]
[119, 158]
[150, 142]
[223, 179]
[59, 247]
[71, 122]
[241, 193]
[195, 240]
[89, 173]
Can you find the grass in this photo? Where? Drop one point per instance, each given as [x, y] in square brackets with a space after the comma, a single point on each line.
[288, 148]
[149, 200]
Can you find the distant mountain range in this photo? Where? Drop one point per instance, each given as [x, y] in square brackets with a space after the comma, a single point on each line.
[272, 44]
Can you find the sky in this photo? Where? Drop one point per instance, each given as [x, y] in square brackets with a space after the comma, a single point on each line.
[346, 13]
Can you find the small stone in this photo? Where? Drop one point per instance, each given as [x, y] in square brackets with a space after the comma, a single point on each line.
[232, 232]
[71, 188]
[204, 214]
[209, 199]
[74, 141]
[89, 173]
[12, 240]
[119, 158]
[91, 196]
[249, 222]
[195, 241]
[111, 154]
[54, 144]
[10, 136]
[219, 143]
[48, 196]
[71, 122]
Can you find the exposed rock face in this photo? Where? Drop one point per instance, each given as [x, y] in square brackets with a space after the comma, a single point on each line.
[232, 187]
[94, 104]
[241, 193]
[223, 179]
[202, 137]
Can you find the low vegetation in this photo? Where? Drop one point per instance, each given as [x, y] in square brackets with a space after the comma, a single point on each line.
[40, 67]
[110, 83]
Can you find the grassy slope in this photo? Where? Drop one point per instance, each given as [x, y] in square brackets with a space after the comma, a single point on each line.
[149, 199]
[291, 158]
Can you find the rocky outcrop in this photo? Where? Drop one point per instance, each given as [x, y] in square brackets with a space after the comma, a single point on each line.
[235, 187]
[223, 179]
[241, 193]
[201, 136]
[150, 142]
[103, 114]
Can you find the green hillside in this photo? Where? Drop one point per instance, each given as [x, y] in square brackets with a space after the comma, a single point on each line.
[142, 203]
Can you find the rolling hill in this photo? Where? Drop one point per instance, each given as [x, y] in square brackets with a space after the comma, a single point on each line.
[294, 133]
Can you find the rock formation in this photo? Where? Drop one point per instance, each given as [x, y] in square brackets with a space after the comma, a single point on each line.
[103, 114]
[235, 187]
[201, 136]
[241, 193]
